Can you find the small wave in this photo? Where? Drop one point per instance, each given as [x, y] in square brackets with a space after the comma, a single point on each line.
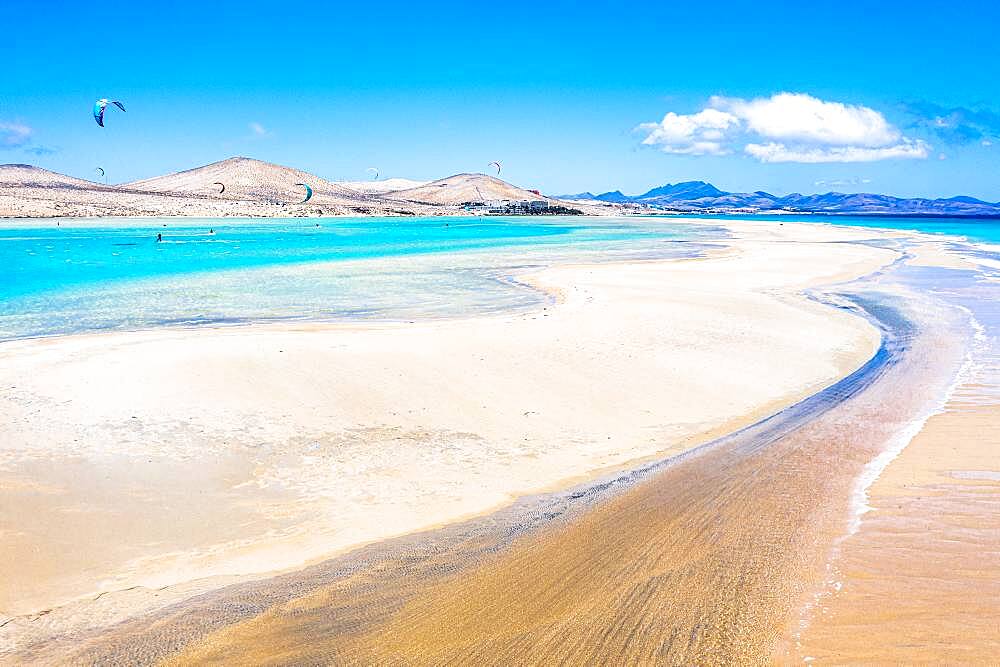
[860, 498]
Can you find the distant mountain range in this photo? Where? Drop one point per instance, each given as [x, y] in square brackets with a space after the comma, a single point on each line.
[702, 196]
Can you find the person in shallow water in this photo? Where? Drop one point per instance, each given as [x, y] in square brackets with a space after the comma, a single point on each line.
[159, 237]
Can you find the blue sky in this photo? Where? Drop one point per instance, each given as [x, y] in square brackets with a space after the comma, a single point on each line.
[901, 98]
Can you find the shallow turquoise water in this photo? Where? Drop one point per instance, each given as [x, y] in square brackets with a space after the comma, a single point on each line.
[982, 230]
[115, 275]
[51, 257]
[72, 278]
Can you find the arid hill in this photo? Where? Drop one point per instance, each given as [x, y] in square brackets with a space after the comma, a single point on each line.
[252, 189]
[381, 187]
[26, 176]
[247, 179]
[464, 188]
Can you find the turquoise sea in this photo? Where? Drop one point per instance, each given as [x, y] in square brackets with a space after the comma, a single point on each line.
[60, 277]
[64, 277]
[979, 230]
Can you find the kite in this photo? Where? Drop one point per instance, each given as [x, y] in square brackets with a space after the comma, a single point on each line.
[497, 165]
[99, 107]
[376, 172]
[222, 185]
[309, 192]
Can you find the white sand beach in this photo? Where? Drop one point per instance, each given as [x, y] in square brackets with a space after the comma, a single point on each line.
[153, 458]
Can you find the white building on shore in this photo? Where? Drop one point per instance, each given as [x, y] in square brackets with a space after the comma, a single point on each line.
[511, 206]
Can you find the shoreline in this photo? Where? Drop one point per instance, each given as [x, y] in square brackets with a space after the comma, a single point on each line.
[534, 514]
[823, 312]
[444, 567]
[927, 552]
[806, 634]
[924, 553]
[841, 222]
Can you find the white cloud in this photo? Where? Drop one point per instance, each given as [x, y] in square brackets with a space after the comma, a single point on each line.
[776, 152]
[258, 130]
[14, 135]
[785, 127]
[803, 118]
[987, 143]
[692, 134]
[842, 182]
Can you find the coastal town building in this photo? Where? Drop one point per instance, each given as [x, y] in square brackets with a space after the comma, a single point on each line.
[509, 206]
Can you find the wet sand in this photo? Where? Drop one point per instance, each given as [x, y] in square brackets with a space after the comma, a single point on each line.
[919, 583]
[916, 580]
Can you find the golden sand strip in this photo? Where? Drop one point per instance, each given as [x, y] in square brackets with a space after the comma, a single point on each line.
[920, 580]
